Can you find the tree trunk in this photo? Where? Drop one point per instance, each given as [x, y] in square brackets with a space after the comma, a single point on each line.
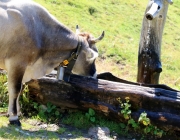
[149, 56]
[161, 103]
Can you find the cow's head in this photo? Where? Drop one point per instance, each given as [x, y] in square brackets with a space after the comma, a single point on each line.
[85, 63]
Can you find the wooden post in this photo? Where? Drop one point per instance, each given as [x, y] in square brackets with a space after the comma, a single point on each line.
[149, 56]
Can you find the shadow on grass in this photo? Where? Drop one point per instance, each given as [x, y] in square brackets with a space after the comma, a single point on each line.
[64, 132]
[12, 132]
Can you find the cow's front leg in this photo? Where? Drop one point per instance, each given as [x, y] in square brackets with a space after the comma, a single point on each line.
[14, 89]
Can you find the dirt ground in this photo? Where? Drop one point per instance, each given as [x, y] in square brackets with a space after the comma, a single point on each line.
[70, 133]
[73, 133]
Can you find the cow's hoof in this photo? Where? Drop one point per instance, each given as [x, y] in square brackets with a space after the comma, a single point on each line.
[15, 122]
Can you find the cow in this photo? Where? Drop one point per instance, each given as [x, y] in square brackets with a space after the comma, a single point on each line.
[33, 43]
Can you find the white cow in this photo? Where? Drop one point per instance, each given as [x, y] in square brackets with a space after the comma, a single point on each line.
[33, 42]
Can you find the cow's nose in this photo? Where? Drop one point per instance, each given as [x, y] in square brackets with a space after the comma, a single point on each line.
[93, 70]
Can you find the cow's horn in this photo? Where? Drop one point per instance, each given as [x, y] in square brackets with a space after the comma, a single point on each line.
[77, 29]
[99, 38]
[170, 1]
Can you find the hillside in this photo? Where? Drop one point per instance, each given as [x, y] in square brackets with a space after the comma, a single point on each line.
[121, 21]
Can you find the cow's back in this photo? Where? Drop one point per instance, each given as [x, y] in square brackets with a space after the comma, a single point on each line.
[29, 36]
[21, 29]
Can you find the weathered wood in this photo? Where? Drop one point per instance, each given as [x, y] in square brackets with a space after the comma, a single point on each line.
[161, 105]
[149, 56]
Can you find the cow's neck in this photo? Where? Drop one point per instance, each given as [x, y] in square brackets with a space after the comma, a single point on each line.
[55, 35]
[61, 37]
[60, 42]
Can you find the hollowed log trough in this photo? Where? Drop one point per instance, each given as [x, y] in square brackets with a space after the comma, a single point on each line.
[160, 102]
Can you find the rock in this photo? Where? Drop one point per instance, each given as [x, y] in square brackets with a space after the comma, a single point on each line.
[99, 133]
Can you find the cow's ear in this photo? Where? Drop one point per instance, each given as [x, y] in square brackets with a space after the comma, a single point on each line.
[92, 55]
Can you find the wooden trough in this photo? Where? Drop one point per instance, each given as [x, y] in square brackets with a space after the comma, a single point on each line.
[160, 102]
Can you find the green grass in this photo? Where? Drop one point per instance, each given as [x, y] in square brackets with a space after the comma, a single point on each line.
[80, 120]
[3, 91]
[121, 21]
